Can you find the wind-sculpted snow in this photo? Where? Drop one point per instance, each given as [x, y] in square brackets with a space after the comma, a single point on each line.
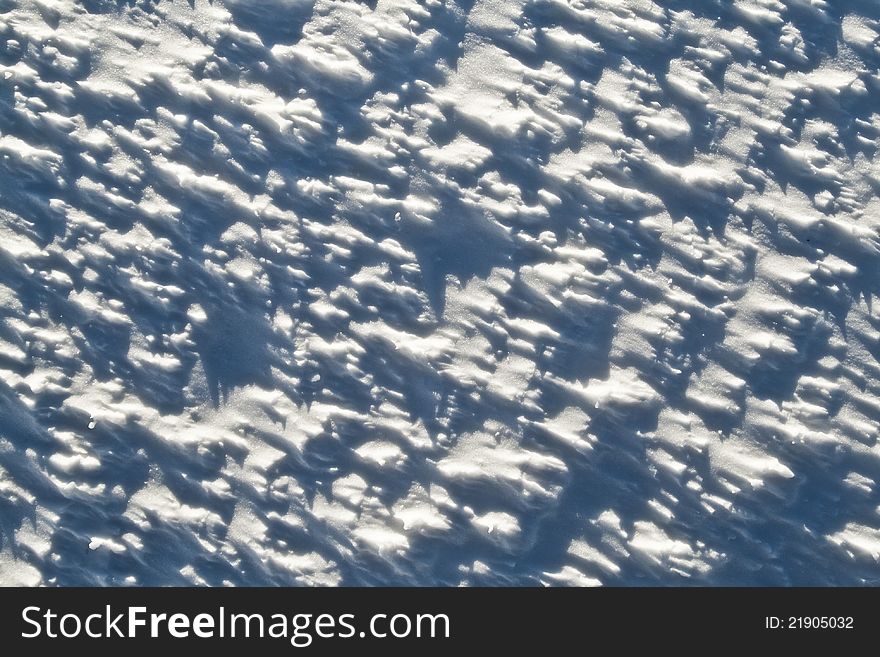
[561, 292]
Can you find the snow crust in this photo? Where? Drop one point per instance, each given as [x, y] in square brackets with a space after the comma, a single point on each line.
[559, 292]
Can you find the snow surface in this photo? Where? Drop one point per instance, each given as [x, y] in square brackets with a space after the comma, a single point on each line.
[562, 292]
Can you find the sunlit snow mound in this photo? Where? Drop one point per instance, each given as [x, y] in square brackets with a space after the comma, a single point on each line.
[561, 292]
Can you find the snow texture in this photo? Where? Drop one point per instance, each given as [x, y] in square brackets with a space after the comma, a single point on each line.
[509, 292]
